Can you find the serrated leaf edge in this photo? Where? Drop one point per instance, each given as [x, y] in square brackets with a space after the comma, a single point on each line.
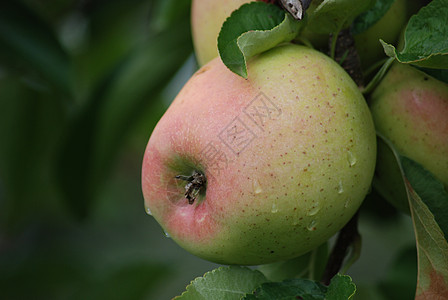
[210, 273]
[350, 283]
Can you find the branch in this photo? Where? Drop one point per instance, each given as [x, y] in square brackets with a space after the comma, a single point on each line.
[346, 55]
[347, 236]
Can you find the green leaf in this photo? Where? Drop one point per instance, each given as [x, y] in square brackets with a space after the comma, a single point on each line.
[252, 29]
[367, 19]
[224, 283]
[428, 204]
[429, 189]
[341, 288]
[99, 129]
[426, 43]
[432, 250]
[289, 290]
[331, 16]
[26, 40]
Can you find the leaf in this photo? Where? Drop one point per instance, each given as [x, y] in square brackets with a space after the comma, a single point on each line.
[367, 19]
[428, 205]
[98, 130]
[331, 16]
[432, 250]
[426, 43]
[429, 189]
[24, 37]
[224, 283]
[289, 289]
[252, 29]
[341, 288]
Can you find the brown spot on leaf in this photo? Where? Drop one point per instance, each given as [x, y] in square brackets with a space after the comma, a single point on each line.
[438, 288]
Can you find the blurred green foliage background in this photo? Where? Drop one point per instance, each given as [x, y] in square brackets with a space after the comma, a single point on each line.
[82, 85]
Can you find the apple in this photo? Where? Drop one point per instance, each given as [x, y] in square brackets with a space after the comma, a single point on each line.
[388, 28]
[410, 109]
[207, 18]
[253, 171]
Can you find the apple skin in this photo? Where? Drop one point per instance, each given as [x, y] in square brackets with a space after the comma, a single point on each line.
[302, 176]
[410, 109]
[207, 18]
[388, 28]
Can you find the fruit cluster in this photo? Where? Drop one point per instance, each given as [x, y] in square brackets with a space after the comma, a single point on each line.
[263, 169]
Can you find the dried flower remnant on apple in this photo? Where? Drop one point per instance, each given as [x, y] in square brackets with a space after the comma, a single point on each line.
[196, 182]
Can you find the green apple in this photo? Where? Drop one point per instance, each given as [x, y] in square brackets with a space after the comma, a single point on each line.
[253, 171]
[410, 109]
[207, 18]
[388, 28]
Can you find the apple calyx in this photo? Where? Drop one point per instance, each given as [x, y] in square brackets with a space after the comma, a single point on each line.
[196, 182]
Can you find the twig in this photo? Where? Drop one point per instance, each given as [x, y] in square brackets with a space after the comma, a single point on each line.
[346, 237]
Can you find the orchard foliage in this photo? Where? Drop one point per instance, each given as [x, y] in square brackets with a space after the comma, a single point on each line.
[83, 83]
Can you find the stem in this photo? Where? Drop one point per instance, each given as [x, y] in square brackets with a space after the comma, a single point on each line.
[334, 40]
[374, 67]
[354, 255]
[346, 237]
[378, 76]
[312, 265]
[304, 41]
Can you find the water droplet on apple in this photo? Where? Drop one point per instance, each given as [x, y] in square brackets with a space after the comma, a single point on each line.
[257, 187]
[312, 225]
[347, 203]
[167, 234]
[340, 187]
[351, 158]
[274, 208]
[314, 210]
[148, 211]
